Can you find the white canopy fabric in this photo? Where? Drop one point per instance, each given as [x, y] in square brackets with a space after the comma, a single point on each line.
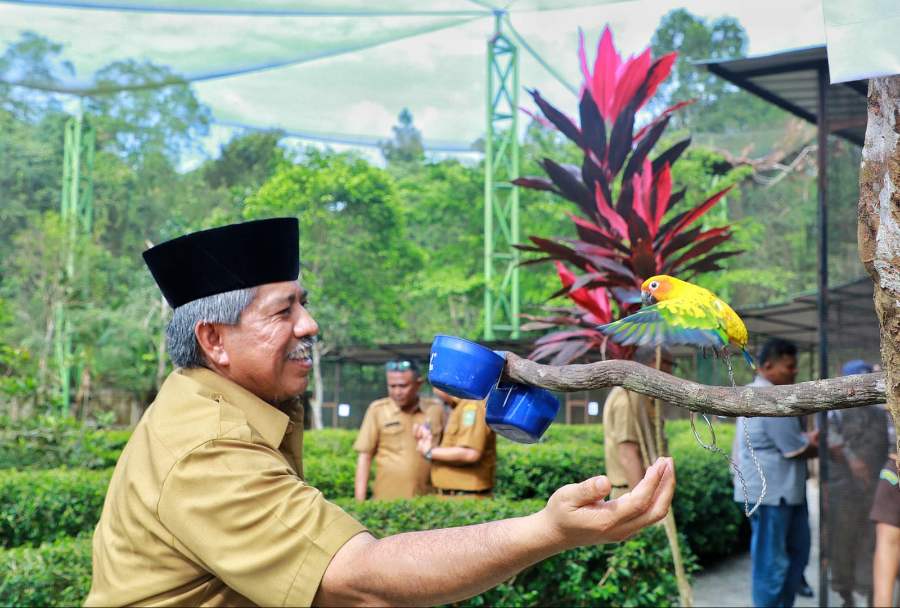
[862, 38]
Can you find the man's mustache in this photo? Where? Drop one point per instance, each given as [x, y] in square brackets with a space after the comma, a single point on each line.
[304, 348]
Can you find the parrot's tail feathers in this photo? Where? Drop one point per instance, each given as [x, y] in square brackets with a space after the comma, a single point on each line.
[748, 359]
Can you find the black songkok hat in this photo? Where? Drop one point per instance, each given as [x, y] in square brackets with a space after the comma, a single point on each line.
[223, 259]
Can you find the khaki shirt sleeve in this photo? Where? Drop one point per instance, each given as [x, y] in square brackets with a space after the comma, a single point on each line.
[473, 429]
[367, 438]
[623, 422]
[239, 511]
[435, 417]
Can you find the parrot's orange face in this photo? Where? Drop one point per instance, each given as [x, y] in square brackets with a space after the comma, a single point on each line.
[655, 289]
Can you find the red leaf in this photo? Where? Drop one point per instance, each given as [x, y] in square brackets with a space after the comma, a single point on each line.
[628, 85]
[606, 67]
[698, 249]
[663, 115]
[609, 214]
[640, 203]
[691, 216]
[562, 122]
[658, 72]
[535, 183]
[663, 192]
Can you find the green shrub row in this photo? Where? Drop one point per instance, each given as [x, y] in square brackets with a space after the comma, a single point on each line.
[49, 442]
[40, 506]
[634, 573]
[33, 503]
[54, 574]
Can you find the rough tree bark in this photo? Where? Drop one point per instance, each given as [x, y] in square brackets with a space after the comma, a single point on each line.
[879, 223]
[790, 400]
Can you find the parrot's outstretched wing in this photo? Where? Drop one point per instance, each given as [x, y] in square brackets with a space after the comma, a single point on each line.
[669, 323]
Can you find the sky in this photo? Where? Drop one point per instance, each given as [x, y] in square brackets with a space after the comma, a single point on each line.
[436, 68]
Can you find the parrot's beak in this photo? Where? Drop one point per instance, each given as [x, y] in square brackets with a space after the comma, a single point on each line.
[646, 298]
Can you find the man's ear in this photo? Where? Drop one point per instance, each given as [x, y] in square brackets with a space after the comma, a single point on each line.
[210, 338]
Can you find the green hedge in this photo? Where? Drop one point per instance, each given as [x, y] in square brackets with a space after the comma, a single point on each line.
[37, 506]
[54, 574]
[50, 442]
[704, 505]
[634, 573]
[40, 506]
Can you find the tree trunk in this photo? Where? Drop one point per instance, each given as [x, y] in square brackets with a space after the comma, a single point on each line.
[879, 224]
[318, 388]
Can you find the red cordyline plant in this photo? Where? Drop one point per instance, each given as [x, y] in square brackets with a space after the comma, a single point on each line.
[627, 229]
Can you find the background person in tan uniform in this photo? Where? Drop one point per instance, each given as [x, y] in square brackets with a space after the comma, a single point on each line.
[388, 434]
[208, 505]
[622, 412]
[465, 462]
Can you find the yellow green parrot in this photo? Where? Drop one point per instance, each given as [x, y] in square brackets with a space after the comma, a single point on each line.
[677, 312]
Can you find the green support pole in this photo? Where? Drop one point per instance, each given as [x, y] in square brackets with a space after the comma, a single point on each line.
[501, 198]
[76, 214]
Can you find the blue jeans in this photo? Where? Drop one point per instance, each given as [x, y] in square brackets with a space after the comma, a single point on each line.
[779, 550]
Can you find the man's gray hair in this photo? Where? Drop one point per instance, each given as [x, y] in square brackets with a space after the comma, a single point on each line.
[226, 308]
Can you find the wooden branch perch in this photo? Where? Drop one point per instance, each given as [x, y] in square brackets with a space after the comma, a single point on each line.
[788, 400]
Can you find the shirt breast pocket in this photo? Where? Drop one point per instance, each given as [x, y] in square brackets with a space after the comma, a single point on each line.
[391, 432]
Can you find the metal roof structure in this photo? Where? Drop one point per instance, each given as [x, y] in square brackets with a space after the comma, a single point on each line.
[852, 324]
[790, 80]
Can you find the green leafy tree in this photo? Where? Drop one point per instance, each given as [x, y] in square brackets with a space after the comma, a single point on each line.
[356, 257]
[718, 105]
[444, 206]
[36, 60]
[406, 145]
[145, 119]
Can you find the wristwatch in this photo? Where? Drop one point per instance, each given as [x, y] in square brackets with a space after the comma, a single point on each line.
[427, 454]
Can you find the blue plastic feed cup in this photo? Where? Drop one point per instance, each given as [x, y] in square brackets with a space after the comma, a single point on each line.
[521, 412]
[463, 368]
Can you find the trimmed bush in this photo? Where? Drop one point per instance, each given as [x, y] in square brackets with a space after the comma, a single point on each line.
[704, 505]
[637, 572]
[37, 506]
[40, 506]
[54, 574]
[51, 442]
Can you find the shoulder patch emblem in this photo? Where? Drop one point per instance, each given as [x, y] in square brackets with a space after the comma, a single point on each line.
[469, 416]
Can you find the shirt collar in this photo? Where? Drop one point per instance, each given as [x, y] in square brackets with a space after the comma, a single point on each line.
[760, 381]
[399, 410]
[266, 419]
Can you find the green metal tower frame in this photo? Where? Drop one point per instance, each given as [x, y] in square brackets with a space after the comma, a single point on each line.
[501, 198]
[76, 213]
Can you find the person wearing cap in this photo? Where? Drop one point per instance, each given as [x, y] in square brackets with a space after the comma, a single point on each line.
[387, 436]
[208, 505]
[464, 463]
[857, 447]
[629, 428]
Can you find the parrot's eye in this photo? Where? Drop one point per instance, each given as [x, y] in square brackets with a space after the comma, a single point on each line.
[654, 285]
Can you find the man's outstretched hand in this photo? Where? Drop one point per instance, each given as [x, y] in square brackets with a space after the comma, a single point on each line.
[577, 514]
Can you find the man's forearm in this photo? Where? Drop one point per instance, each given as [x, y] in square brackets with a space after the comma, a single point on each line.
[462, 562]
[459, 455]
[361, 481]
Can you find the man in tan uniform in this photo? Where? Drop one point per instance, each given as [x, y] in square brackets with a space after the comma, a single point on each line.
[629, 427]
[387, 434]
[465, 461]
[208, 505]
